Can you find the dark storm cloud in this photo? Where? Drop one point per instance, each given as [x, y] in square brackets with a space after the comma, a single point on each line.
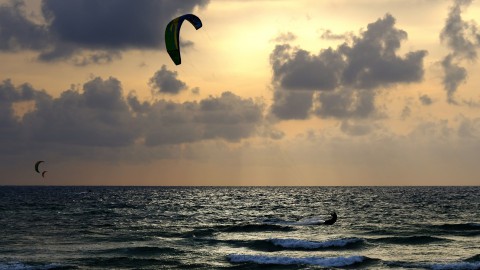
[19, 33]
[463, 39]
[426, 100]
[100, 116]
[165, 81]
[90, 31]
[114, 24]
[359, 68]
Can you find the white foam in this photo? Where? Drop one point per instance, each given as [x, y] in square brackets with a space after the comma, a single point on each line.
[297, 243]
[276, 260]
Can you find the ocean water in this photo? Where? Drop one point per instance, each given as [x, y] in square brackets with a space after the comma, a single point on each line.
[239, 228]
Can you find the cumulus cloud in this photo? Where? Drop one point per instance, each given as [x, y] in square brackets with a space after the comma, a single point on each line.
[299, 70]
[227, 117]
[100, 115]
[346, 103]
[165, 81]
[289, 105]
[87, 31]
[346, 78]
[463, 39]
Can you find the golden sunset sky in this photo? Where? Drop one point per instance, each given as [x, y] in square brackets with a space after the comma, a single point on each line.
[280, 92]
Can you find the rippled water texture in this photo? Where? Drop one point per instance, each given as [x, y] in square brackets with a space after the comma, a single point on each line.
[239, 228]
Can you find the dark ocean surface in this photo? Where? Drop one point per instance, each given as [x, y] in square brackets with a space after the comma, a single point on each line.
[239, 228]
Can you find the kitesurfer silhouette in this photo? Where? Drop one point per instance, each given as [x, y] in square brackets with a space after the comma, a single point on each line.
[332, 219]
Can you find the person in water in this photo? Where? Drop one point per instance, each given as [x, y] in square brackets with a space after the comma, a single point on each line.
[332, 219]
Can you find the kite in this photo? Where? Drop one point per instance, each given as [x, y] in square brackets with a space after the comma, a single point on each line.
[172, 33]
[37, 164]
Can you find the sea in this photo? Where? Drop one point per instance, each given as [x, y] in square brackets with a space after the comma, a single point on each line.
[239, 227]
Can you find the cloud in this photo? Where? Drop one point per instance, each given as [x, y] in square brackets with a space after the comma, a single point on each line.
[195, 90]
[89, 31]
[355, 129]
[101, 118]
[98, 116]
[342, 75]
[285, 37]
[372, 60]
[454, 75]
[299, 70]
[9, 127]
[469, 128]
[346, 103]
[17, 32]
[426, 100]
[113, 24]
[406, 112]
[328, 34]
[165, 81]
[463, 39]
[227, 117]
[289, 105]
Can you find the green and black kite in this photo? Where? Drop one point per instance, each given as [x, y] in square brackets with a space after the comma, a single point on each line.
[172, 32]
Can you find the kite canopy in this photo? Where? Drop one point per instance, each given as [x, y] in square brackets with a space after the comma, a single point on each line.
[172, 32]
[38, 164]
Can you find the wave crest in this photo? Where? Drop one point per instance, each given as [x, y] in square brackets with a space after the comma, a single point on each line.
[284, 260]
[305, 244]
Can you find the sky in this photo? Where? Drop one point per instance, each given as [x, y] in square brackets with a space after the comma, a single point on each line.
[270, 92]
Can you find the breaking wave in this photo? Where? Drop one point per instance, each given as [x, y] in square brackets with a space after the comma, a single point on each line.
[305, 244]
[285, 260]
